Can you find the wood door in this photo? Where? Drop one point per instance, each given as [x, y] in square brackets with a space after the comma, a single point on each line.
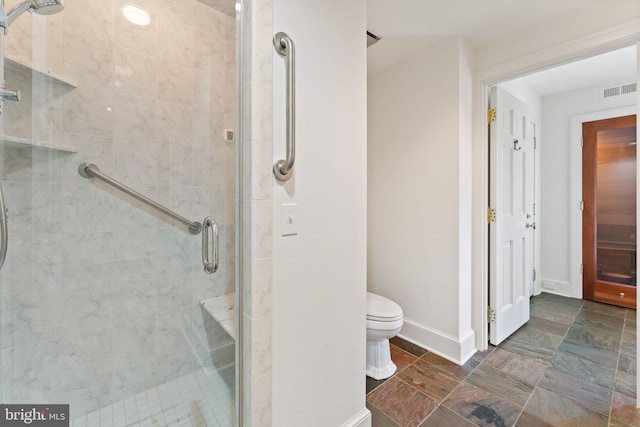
[609, 217]
[511, 144]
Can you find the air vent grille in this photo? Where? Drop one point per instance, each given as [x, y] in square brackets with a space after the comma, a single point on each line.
[628, 88]
[372, 38]
[611, 91]
[617, 90]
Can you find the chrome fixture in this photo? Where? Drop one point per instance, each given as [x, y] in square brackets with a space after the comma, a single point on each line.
[41, 7]
[210, 266]
[283, 44]
[89, 170]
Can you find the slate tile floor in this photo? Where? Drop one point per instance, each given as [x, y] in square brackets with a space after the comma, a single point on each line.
[572, 364]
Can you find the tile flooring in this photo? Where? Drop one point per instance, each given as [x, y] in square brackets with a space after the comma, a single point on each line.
[205, 398]
[572, 364]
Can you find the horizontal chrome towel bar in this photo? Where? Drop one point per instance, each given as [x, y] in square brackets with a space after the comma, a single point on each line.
[89, 170]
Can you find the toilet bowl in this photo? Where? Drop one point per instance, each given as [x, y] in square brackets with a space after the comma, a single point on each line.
[384, 321]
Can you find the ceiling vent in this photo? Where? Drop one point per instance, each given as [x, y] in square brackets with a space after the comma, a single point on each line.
[372, 38]
[618, 90]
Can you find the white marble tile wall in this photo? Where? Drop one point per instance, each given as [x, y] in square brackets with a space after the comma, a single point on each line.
[257, 125]
[100, 295]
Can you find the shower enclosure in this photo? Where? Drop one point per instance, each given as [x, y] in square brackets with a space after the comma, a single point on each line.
[105, 303]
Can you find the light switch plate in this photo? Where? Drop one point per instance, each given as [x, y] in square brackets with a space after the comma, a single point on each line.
[289, 219]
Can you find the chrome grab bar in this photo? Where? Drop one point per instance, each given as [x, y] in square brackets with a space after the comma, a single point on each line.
[89, 170]
[210, 267]
[284, 46]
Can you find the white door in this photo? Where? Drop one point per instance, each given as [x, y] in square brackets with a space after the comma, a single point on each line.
[511, 145]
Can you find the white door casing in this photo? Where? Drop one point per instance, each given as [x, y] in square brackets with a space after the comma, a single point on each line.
[511, 194]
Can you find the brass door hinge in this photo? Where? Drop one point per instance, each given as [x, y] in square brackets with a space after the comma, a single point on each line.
[491, 215]
[491, 115]
[491, 315]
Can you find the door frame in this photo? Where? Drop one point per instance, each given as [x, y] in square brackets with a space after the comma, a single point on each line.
[575, 220]
[617, 37]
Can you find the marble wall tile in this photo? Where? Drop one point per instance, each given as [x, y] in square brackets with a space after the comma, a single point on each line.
[258, 361]
[176, 83]
[28, 316]
[259, 160]
[176, 36]
[256, 104]
[18, 114]
[88, 396]
[135, 72]
[47, 45]
[209, 32]
[89, 19]
[133, 118]
[30, 373]
[92, 149]
[88, 111]
[257, 397]
[174, 123]
[19, 39]
[257, 124]
[137, 162]
[262, 44]
[15, 165]
[258, 275]
[88, 61]
[257, 229]
[142, 38]
[224, 6]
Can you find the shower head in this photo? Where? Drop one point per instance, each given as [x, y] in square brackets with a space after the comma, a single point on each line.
[46, 7]
[41, 7]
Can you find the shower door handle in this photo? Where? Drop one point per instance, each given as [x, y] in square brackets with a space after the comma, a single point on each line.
[283, 44]
[210, 266]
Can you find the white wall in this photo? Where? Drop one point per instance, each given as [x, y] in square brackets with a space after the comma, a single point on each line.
[419, 195]
[319, 275]
[556, 183]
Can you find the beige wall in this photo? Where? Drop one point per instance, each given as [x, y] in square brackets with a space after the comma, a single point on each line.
[419, 172]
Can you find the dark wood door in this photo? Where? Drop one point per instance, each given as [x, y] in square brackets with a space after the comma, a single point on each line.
[609, 217]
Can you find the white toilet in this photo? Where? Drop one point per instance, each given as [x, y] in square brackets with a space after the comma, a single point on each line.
[384, 321]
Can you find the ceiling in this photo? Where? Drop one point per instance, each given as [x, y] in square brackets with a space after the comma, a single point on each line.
[409, 26]
[617, 66]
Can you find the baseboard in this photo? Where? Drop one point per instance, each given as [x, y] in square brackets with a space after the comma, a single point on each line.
[361, 419]
[444, 345]
[556, 287]
[537, 287]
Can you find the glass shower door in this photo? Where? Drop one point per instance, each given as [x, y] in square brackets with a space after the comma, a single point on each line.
[105, 305]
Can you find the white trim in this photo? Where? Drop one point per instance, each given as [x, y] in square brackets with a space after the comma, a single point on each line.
[618, 36]
[558, 287]
[361, 419]
[439, 342]
[575, 218]
[637, 210]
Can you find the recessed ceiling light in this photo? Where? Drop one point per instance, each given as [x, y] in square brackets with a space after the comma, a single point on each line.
[135, 15]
